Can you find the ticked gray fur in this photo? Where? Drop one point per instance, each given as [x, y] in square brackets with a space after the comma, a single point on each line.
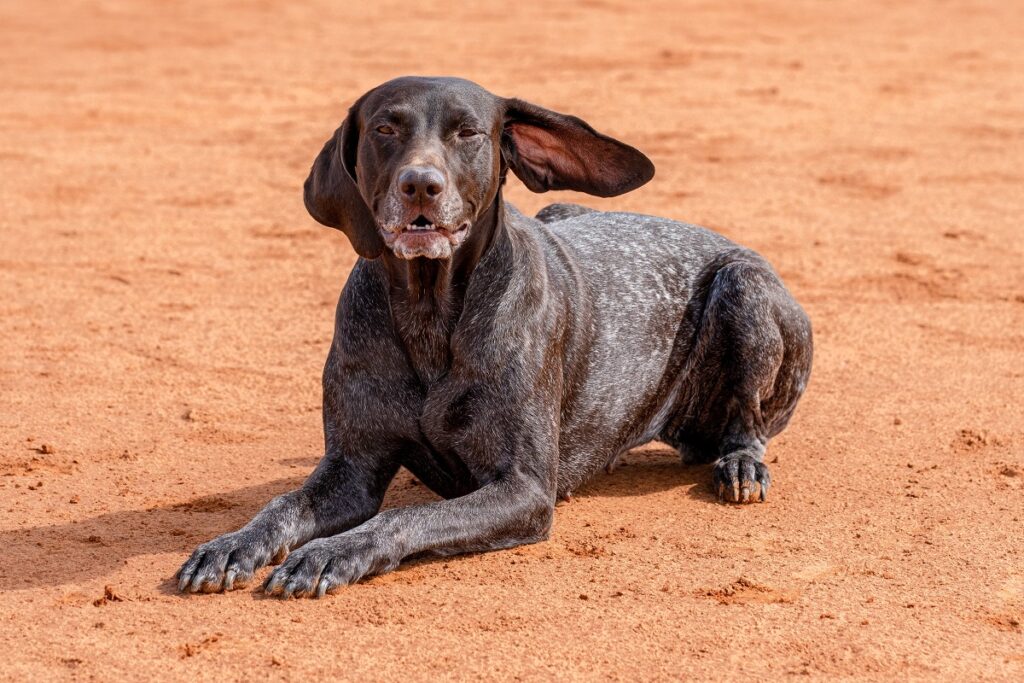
[530, 357]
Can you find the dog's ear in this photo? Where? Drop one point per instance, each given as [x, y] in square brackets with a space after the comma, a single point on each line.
[552, 151]
[332, 196]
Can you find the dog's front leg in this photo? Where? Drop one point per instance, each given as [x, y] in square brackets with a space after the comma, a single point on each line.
[515, 509]
[342, 492]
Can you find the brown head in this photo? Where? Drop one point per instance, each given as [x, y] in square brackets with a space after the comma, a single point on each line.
[418, 160]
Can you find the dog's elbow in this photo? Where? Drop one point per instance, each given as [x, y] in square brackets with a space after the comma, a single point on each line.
[539, 525]
[534, 512]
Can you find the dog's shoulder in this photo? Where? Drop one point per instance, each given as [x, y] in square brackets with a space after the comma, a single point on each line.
[363, 303]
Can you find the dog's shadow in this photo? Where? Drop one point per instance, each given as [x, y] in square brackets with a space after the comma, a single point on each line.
[60, 554]
[651, 470]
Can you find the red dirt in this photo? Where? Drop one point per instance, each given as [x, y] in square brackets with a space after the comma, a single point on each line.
[167, 306]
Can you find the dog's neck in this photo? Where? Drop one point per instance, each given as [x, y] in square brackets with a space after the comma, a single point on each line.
[427, 294]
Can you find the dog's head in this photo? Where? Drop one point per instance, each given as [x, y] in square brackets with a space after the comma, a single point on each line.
[418, 160]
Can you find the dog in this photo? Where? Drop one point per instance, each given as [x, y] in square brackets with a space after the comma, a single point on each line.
[503, 359]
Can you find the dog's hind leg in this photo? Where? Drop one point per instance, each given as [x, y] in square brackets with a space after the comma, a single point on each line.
[748, 368]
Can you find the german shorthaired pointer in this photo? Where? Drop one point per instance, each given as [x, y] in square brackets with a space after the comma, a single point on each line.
[503, 359]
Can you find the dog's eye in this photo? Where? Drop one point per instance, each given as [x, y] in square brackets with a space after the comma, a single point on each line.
[468, 132]
[385, 130]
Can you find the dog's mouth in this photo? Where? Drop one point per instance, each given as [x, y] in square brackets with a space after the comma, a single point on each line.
[424, 237]
[422, 224]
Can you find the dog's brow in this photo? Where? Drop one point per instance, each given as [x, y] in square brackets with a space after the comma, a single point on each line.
[393, 113]
[463, 116]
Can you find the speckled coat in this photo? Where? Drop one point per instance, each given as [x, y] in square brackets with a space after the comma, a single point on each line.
[508, 364]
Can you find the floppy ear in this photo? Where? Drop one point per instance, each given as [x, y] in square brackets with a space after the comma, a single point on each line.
[552, 151]
[332, 197]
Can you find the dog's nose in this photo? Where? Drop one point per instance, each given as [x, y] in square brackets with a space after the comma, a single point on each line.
[421, 183]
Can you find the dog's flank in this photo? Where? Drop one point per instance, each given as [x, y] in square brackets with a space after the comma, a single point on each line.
[504, 359]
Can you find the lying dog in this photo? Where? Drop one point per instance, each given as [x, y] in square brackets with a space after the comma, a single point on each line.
[504, 359]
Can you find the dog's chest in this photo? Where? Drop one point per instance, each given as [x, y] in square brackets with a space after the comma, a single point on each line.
[426, 342]
[450, 461]
[447, 406]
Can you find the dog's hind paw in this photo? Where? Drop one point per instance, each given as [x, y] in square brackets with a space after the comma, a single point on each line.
[741, 478]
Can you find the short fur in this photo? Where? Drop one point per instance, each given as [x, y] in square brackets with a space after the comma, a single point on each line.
[504, 359]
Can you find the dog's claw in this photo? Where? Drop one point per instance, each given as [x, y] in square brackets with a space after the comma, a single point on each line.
[273, 583]
[184, 574]
[229, 578]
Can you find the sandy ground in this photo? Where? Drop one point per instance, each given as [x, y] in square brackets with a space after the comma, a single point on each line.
[167, 307]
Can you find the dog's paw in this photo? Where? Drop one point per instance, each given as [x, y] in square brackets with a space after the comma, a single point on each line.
[740, 478]
[325, 565]
[226, 563]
